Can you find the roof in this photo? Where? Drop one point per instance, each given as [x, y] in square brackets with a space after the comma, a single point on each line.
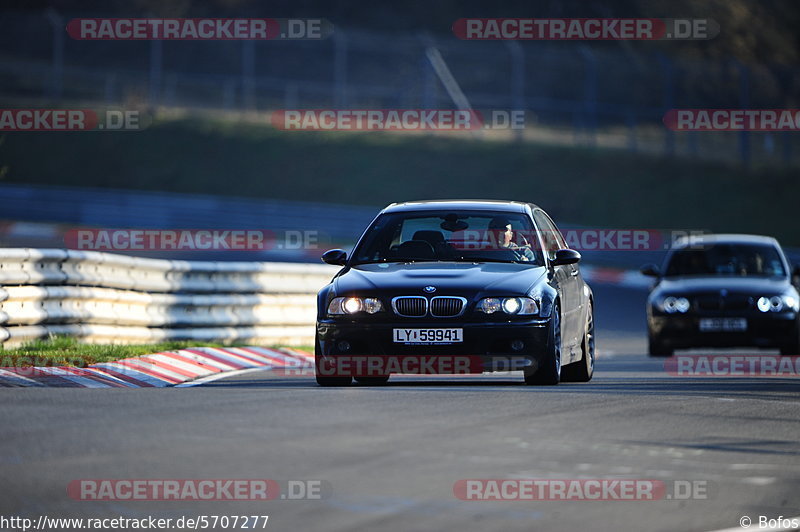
[463, 204]
[724, 239]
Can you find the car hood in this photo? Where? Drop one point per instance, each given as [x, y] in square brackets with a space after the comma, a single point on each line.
[739, 285]
[449, 278]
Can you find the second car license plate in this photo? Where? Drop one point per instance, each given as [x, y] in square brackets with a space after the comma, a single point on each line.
[428, 336]
[723, 324]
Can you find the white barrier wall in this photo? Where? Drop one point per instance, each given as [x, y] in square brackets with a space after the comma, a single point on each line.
[107, 298]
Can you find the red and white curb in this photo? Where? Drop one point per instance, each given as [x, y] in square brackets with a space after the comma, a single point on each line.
[159, 370]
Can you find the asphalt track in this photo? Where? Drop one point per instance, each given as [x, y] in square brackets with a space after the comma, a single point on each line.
[390, 455]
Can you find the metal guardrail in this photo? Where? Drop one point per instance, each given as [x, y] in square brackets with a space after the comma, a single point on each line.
[120, 208]
[335, 225]
[108, 298]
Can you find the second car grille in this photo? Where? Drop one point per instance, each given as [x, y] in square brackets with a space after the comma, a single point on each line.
[410, 306]
[730, 302]
[445, 306]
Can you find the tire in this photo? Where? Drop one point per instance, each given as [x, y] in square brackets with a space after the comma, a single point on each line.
[792, 346]
[582, 370]
[549, 371]
[373, 381]
[325, 380]
[334, 381]
[657, 348]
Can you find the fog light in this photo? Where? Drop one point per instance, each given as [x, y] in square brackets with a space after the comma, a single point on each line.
[517, 345]
[344, 345]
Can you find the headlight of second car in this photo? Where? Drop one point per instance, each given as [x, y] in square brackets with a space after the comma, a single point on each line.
[777, 303]
[352, 305]
[515, 306]
[672, 304]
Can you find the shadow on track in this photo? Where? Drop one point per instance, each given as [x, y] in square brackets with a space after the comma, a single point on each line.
[606, 384]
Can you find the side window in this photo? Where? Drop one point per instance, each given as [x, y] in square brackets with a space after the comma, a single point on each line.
[549, 234]
[562, 244]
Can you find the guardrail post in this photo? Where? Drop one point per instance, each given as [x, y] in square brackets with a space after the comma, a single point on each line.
[57, 70]
[156, 58]
[339, 69]
[517, 80]
[744, 103]
[668, 99]
[248, 75]
[590, 92]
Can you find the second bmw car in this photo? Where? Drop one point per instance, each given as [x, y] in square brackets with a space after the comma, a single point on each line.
[723, 291]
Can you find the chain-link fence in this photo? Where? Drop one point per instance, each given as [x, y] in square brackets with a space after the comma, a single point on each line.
[607, 94]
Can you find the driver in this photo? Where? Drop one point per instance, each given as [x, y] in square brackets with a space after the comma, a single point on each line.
[502, 236]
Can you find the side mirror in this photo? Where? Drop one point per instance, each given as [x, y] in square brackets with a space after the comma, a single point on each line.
[566, 256]
[337, 257]
[650, 270]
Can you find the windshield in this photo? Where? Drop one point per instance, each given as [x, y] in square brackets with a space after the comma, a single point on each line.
[727, 259]
[462, 236]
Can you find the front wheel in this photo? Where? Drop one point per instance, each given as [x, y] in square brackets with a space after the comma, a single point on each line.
[792, 346]
[549, 370]
[582, 370]
[657, 348]
[333, 381]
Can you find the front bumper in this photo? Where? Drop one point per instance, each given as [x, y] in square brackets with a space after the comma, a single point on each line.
[682, 331]
[487, 344]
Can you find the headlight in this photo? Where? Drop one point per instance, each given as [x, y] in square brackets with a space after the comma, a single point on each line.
[672, 305]
[490, 305]
[518, 306]
[351, 305]
[511, 305]
[777, 303]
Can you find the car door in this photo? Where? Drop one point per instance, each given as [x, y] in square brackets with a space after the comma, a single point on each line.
[566, 279]
[575, 292]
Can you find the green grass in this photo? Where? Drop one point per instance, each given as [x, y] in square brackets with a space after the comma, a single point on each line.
[66, 351]
[602, 188]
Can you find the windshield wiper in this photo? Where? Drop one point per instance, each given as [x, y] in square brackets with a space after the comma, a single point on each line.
[399, 261]
[486, 259]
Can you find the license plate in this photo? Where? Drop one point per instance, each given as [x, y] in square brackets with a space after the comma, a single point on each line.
[723, 324]
[428, 336]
